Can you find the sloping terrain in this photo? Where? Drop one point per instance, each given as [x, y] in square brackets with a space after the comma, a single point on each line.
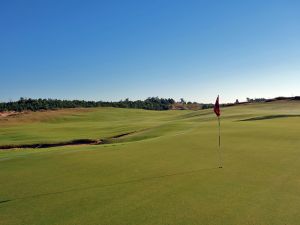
[164, 173]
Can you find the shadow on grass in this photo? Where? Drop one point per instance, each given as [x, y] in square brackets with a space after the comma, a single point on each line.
[111, 185]
[3, 201]
[269, 117]
[67, 143]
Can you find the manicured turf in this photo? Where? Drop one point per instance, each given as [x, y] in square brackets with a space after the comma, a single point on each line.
[166, 173]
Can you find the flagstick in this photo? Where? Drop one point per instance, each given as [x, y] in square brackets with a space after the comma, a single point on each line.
[220, 157]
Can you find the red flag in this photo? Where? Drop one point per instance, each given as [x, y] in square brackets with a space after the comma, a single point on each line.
[217, 107]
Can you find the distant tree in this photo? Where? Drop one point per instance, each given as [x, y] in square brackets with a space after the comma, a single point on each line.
[171, 101]
[236, 101]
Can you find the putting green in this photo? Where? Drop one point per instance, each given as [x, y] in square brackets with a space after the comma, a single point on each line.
[165, 173]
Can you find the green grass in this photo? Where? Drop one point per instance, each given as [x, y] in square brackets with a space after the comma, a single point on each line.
[167, 173]
[65, 125]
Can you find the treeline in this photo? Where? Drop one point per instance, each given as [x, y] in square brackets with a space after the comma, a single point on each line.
[23, 104]
[255, 100]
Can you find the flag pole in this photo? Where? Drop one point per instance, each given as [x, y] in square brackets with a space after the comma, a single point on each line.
[218, 114]
[220, 157]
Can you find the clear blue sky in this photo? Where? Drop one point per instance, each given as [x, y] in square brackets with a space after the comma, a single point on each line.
[111, 50]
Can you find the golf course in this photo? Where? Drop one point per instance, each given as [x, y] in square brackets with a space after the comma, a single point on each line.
[152, 167]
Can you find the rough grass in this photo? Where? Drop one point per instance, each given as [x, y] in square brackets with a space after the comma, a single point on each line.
[166, 174]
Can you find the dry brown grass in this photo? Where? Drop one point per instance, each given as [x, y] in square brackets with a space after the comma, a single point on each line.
[30, 116]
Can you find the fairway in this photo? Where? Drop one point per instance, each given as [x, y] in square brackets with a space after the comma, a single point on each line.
[165, 172]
